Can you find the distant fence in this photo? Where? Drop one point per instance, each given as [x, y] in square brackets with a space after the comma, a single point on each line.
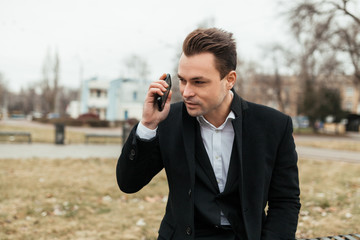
[79, 123]
[87, 122]
[11, 136]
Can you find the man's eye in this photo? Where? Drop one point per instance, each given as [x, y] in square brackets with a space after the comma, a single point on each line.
[199, 82]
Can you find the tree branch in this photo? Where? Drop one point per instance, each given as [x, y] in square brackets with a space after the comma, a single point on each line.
[345, 10]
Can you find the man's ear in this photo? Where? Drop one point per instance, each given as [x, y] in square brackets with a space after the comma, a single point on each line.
[231, 79]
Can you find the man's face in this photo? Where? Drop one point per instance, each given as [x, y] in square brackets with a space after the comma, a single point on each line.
[202, 89]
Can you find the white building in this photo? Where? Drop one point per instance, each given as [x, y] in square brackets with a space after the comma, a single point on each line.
[73, 109]
[119, 99]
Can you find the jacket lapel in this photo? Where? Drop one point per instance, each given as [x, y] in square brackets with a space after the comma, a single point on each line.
[239, 106]
[188, 129]
[203, 160]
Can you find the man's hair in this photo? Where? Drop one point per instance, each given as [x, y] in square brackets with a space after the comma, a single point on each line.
[215, 41]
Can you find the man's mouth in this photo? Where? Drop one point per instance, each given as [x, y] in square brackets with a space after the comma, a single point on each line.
[191, 104]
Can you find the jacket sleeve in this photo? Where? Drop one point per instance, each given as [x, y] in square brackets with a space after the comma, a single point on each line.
[139, 162]
[283, 199]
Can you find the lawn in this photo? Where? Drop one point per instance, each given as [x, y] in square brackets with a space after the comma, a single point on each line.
[330, 196]
[79, 199]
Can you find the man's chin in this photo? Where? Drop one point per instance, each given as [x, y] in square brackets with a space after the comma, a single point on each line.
[194, 112]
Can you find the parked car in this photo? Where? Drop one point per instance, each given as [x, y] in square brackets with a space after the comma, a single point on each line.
[300, 122]
[53, 115]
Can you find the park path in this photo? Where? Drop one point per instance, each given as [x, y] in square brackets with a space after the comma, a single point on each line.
[52, 151]
[328, 154]
[39, 150]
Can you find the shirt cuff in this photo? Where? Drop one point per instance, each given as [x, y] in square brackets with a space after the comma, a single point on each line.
[144, 132]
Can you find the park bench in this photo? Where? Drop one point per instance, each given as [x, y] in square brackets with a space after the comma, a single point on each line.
[97, 135]
[16, 134]
[339, 237]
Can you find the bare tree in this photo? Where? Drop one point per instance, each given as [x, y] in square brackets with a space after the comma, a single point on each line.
[329, 33]
[50, 83]
[246, 72]
[3, 90]
[342, 6]
[47, 101]
[349, 42]
[29, 100]
[135, 67]
[3, 97]
[280, 58]
[56, 70]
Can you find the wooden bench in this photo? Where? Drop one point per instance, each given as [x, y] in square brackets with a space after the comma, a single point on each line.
[339, 237]
[16, 134]
[97, 135]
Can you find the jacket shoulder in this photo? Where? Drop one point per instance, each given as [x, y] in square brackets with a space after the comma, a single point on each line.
[266, 117]
[265, 111]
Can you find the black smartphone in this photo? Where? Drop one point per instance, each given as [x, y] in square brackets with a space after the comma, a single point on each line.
[161, 100]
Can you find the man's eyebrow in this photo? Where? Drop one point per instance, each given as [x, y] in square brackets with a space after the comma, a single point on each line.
[193, 78]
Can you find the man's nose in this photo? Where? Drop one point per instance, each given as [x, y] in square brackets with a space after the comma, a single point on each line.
[188, 91]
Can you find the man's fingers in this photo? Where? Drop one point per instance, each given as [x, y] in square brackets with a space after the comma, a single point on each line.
[157, 87]
[153, 91]
[159, 84]
[163, 76]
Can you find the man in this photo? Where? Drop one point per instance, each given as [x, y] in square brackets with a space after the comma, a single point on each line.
[226, 159]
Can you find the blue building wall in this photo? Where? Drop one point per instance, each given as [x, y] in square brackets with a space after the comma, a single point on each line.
[85, 96]
[113, 95]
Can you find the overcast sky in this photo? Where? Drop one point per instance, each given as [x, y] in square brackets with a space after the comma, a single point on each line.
[99, 35]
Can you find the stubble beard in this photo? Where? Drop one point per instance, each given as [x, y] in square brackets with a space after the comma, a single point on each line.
[194, 112]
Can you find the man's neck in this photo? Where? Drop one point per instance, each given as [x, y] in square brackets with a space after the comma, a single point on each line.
[218, 116]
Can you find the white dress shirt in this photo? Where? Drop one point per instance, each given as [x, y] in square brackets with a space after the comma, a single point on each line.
[218, 142]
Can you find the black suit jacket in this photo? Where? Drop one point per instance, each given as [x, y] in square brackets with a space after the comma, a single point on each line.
[268, 170]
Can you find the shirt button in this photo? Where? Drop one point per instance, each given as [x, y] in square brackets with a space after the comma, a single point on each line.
[189, 192]
[188, 231]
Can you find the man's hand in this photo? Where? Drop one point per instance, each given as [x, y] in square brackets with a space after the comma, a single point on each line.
[151, 115]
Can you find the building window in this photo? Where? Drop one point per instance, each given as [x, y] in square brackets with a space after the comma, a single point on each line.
[349, 91]
[126, 115]
[98, 93]
[134, 96]
[348, 106]
[93, 93]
